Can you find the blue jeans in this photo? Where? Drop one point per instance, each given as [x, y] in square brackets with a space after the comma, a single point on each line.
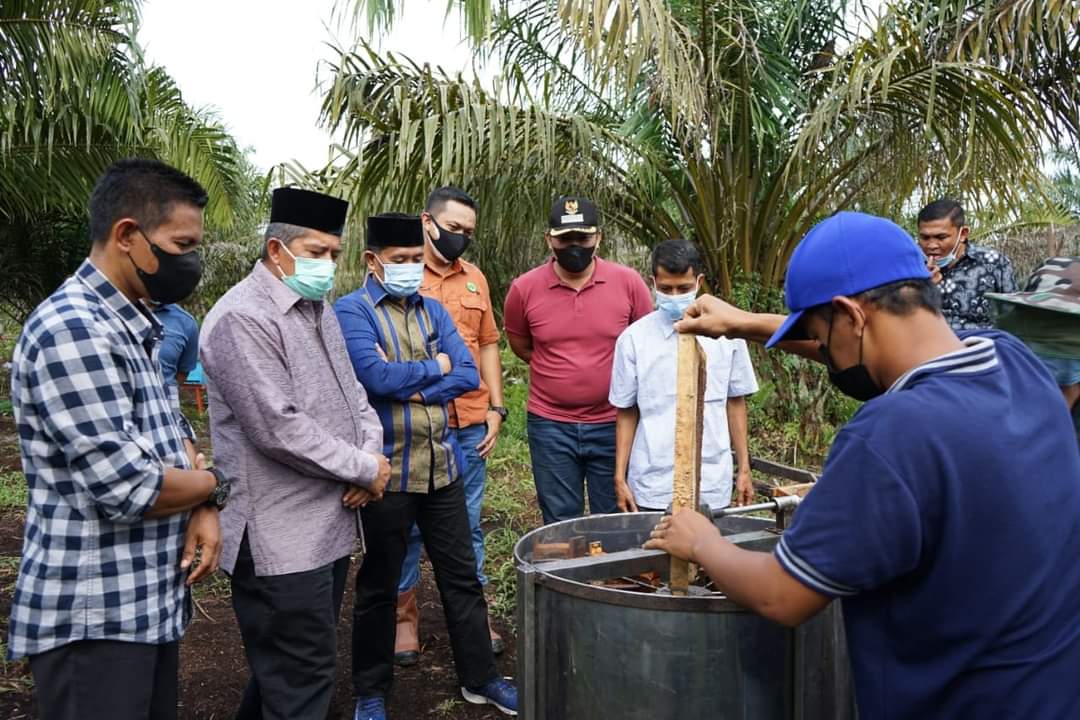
[566, 456]
[473, 475]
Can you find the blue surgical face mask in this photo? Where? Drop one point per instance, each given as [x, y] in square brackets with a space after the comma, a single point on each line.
[674, 306]
[311, 278]
[402, 279]
[945, 260]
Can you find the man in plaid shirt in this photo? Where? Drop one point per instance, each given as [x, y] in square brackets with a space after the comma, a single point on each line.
[119, 524]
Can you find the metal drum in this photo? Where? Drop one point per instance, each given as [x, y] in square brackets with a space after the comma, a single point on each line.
[590, 652]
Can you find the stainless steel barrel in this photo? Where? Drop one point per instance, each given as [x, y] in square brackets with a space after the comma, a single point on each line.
[589, 652]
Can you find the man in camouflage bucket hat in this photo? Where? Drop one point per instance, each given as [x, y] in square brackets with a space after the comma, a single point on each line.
[1046, 316]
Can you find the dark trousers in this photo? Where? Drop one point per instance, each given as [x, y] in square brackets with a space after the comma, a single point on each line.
[289, 627]
[444, 525]
[107, 679]
[566, 456]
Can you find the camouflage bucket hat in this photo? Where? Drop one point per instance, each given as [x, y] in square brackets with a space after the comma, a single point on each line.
[1055, 285]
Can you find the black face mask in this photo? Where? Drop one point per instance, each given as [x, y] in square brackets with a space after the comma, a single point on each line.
[574, 258]
[450, 245]
[854, 381]
[176, 276]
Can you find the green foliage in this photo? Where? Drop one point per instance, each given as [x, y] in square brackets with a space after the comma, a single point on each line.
[12, 490]
[37, 256]
[9, 335]
[737, 124]
[510, 498]
[74, 97]
[229, 253]
[796, 412]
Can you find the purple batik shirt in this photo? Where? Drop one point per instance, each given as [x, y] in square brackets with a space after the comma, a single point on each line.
[290, 426]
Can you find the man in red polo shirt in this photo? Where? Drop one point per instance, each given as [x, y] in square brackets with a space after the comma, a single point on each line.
[563, 318]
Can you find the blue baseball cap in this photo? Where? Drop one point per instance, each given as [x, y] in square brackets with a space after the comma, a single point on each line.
[846, 254]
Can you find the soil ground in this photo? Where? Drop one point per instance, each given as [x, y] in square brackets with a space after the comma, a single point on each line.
[213, 671]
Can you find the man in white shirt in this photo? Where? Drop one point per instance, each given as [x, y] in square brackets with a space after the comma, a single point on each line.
[643, 387]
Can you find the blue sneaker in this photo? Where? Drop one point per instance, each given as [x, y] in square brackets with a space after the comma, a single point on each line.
[500, 692]
[370, 708]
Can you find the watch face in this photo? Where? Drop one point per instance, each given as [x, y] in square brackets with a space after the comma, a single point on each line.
[221, 493]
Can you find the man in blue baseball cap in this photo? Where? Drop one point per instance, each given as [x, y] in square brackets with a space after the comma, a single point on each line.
[956, 564]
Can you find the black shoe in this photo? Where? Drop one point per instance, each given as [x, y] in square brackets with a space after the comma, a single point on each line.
[406, 659]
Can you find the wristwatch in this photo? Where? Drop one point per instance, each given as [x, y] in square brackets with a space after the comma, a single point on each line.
[503, 412]
[220, 495]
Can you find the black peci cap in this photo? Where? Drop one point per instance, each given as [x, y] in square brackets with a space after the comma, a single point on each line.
[309, 209]
[394, 230]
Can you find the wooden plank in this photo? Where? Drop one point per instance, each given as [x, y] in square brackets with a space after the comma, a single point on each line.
[689, 414]
[609, 565]
[787, 490]
[574, 547]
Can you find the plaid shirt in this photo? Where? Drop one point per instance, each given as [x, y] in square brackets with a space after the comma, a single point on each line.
[97, 431]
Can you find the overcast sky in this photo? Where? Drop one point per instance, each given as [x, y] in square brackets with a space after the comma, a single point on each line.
[255, 62]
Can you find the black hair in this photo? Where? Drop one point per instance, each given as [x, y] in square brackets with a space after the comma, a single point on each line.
[941, 209]
[440, 196]
[143, 189]
[676, 256]
[902, 297]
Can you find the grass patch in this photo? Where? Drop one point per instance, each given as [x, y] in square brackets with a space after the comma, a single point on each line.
[9, 573]
[12, 490]
[510, 497]
[447, 708]
[216, 586]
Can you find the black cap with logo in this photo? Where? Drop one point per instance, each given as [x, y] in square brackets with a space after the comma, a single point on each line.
[571, 213]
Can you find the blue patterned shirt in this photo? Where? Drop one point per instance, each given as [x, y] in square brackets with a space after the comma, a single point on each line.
[964, 286]
[96, 431]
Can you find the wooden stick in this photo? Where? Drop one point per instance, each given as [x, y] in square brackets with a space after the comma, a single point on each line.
[689, 423]
[786, 490]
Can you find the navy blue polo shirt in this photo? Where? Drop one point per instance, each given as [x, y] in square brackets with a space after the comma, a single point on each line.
[947, 517]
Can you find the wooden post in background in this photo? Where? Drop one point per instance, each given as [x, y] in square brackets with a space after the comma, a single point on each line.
[689, 423]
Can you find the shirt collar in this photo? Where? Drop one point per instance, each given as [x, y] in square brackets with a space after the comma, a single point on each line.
[979, 354]
[280, 293]
[377, 292]
[667, 328]
[142, 323]
[600, 274]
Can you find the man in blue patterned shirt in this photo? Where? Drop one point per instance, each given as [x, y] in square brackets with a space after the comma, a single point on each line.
[117, 526]
[963, 272]
[409, 357]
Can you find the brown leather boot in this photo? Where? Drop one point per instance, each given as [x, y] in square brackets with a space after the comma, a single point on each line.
[406, 638]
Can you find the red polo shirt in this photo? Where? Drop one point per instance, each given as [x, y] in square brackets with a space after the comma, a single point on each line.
[573, 336]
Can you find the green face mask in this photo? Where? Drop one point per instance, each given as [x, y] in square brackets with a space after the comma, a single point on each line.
[311, 279]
